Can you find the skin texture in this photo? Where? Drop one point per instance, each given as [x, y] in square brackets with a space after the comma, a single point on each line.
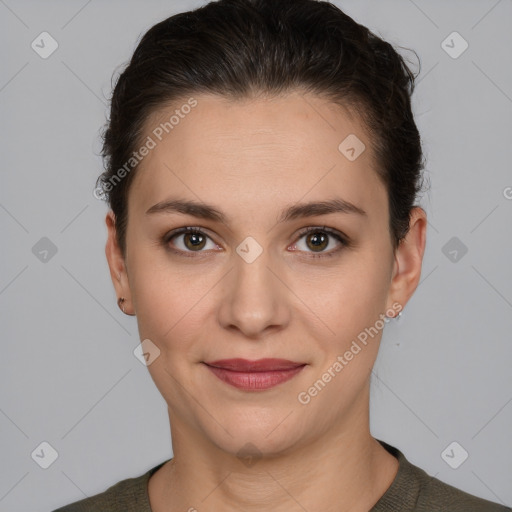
[251, 159]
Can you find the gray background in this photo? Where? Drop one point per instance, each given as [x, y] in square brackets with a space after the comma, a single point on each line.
[68, 373]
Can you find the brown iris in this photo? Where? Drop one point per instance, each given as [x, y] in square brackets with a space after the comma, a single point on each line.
[197, 240]
[319, 240]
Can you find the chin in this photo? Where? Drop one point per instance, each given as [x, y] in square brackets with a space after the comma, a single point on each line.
[255, 435]
[255, 445]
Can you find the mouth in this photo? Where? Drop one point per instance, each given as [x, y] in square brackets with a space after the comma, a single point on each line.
[255, 375]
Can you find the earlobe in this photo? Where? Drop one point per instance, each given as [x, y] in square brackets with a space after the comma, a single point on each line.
[117, 265]
[408, 259]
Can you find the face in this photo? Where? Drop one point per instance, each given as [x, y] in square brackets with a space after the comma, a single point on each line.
[266, 277]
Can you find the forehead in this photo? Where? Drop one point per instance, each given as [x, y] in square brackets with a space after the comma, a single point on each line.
[234, 151]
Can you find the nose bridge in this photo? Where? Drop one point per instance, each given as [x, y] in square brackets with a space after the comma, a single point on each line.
[254, 297]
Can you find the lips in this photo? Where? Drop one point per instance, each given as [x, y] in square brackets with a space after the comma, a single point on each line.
[255, 375]
[260, 365]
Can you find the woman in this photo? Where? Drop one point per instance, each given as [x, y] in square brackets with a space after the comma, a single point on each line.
[263, 166]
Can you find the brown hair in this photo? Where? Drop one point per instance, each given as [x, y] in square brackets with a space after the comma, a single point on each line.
[236, 48]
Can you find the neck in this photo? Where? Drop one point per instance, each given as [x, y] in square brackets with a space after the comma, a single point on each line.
[343, 470]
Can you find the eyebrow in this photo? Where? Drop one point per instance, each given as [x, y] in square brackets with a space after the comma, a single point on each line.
[301, 210]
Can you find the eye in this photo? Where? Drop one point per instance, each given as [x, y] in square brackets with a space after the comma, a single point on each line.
[192, 240]
[317, 239]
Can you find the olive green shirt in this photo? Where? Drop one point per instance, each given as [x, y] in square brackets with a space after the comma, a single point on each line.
[412, 490]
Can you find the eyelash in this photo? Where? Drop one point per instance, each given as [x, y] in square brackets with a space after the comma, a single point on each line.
[196, 231]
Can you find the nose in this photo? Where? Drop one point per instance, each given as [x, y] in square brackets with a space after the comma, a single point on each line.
[255, 298]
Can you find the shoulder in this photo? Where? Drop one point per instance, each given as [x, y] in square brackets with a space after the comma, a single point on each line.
[123, 496]
[439, 496]
[126, 495]
[413, 489]
[435, 495]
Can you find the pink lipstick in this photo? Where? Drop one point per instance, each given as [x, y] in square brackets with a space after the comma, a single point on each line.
[255, 375]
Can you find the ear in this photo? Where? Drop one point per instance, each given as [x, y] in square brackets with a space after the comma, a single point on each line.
[117, 265]
[408, 260]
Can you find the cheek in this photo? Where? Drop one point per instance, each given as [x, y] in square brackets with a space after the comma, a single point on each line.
[170, 304]
[170, 314]
[349, 297]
